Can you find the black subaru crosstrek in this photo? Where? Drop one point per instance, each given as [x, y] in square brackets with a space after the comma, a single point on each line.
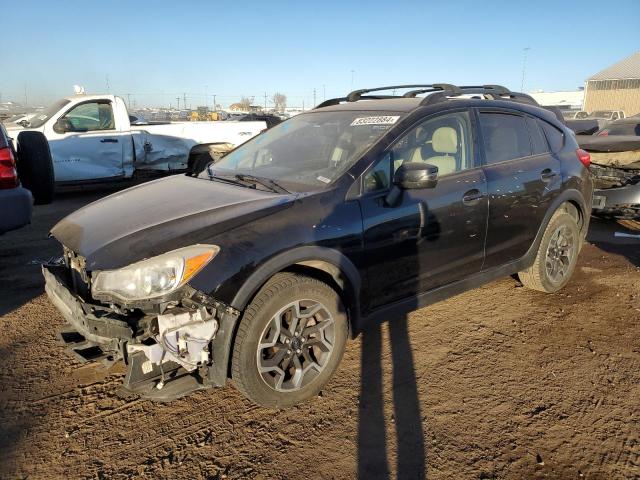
[260, 267]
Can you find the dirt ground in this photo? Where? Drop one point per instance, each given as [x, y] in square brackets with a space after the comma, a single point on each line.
[500, 382]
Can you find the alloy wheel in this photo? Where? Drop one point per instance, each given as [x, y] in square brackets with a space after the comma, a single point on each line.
[296, 345]
[560, 254]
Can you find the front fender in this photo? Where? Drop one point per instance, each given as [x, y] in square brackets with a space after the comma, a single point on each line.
[344, 272]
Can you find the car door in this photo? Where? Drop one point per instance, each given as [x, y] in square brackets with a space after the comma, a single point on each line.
[85, 144]
[433, 236]
[523, 177]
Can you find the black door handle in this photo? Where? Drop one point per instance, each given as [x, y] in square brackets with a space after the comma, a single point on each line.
[547, 174]
[472, 197]
[109, 140]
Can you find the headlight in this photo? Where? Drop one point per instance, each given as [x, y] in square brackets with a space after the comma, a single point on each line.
[155, 276]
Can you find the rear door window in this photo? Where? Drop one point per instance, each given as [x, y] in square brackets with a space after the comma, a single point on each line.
[505, 135]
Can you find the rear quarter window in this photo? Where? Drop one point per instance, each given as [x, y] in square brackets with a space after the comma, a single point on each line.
[539, 143]
[554, 136]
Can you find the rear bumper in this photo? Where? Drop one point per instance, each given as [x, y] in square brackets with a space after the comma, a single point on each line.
[16, 208]
[620, 201]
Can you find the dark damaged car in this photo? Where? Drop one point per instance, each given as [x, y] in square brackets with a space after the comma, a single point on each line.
[260, 268]
[615, 165]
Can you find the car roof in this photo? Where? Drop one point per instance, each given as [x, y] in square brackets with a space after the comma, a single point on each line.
[387, 104]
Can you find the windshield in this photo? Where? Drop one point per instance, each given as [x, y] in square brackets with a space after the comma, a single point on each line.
[39, 119]
[308, 151]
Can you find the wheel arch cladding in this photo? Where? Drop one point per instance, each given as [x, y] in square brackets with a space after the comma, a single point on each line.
[326, 264]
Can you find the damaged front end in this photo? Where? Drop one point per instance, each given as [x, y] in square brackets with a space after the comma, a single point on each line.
[615, 166]
[172, 344]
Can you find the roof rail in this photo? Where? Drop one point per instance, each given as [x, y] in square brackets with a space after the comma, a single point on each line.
[359, 94]
[439, 91]
[495, 92]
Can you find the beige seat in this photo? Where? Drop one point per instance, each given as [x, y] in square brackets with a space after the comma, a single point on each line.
[445, 141]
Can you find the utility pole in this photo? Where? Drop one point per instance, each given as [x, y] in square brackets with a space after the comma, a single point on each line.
[314, 97]
[107, 81]
[129, 101]
[184, 100]
[178, 100]
[524, 66]
[26, 100]
[215, 108]
[265, 101]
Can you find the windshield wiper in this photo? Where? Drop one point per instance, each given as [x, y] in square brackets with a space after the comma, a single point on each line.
[247, 181]
[226, 179]
[265, 182]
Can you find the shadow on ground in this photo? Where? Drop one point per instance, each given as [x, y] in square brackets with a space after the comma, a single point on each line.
[620, 238]
[372, 443]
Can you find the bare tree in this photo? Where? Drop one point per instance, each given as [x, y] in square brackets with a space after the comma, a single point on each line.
[246, 102]
[279, 101]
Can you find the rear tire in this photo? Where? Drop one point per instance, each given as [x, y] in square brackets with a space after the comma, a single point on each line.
[290, 341]
[557, 254]
[35, 166]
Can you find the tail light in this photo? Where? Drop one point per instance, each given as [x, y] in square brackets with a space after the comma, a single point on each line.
[604, 133]
[584, 157]
[8, 172]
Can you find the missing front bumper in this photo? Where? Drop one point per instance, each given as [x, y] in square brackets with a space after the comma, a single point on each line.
[96, 334]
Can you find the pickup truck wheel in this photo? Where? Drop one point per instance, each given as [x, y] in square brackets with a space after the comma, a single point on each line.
[557, 255]
[35, 167]
[290, 341]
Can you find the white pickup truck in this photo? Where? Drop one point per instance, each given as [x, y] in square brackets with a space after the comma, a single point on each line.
[91, 139]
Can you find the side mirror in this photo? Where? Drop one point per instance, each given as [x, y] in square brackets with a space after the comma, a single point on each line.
[416, 175]
[411, 175]
[63, 125]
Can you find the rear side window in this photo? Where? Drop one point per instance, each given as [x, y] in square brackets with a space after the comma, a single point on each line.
[554, 136]
[539, 143]
[506, 137]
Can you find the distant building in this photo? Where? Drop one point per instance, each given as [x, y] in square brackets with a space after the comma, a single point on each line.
[239, 107]
[615, 88]
[566, 100]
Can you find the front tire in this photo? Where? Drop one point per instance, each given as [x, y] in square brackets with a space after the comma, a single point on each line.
[289, 342]
[557, 254]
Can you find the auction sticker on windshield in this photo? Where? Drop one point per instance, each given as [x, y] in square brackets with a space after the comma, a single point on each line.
[381, 120]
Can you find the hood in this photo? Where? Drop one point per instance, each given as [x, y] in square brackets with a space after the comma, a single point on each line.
[159, 216]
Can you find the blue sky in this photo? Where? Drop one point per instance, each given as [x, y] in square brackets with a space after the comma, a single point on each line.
[158, 50]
